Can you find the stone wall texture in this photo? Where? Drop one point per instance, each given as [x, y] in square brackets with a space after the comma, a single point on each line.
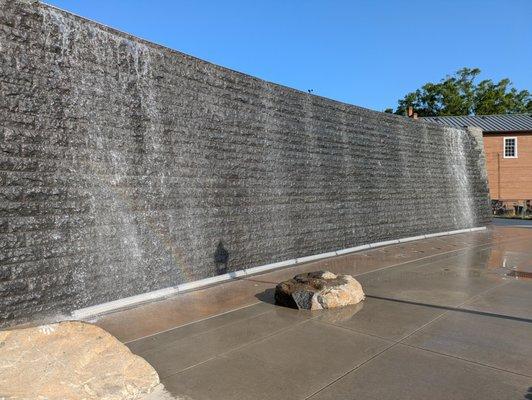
[125, 165]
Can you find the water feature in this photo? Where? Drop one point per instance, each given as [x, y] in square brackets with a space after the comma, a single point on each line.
[457, 147]
[141, 160]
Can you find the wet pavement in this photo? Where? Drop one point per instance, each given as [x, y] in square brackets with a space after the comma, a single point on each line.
[444, 318]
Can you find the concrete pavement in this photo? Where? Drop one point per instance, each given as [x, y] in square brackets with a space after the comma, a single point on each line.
[444, 319]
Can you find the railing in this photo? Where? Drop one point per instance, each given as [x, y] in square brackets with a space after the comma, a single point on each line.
[512, 208]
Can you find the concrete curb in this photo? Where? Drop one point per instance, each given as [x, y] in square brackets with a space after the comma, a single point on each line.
[98, 309]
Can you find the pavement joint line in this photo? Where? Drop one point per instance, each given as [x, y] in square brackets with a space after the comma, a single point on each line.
[475, 297]
[353, 330]
[351, 370]
[194, 322]
[224, 326]
[465, 360]
[397, 341]
[260, 281]
[449, 311]
[395, 344]
[254, 341]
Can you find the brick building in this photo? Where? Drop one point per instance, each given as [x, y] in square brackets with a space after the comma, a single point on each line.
[508, 148]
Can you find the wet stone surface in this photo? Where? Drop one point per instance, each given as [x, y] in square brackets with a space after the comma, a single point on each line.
[129, 168]
[319, 290]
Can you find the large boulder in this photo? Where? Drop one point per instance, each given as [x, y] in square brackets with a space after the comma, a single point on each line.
[319, 290]
[71, 360]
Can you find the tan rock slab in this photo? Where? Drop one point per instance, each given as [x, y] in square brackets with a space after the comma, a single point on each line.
[319, 290]
[71, 360]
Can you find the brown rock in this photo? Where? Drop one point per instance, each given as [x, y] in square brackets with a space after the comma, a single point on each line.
[319, 290]
[71, 360]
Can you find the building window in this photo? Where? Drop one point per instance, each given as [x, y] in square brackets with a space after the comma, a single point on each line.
[510, 147]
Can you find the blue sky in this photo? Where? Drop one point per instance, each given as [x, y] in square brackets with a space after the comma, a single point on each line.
[364, 52]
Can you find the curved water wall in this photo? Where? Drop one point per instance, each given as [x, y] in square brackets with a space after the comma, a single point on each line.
[127, 167]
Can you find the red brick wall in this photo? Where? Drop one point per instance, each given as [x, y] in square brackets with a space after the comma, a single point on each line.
[509, 178]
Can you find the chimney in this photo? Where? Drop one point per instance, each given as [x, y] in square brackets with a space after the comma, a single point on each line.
[410, 111]
[414, 116]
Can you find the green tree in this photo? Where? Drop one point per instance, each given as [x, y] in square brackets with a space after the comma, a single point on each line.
[459, 94]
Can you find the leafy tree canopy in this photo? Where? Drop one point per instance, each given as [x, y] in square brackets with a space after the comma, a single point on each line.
[459, 94]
